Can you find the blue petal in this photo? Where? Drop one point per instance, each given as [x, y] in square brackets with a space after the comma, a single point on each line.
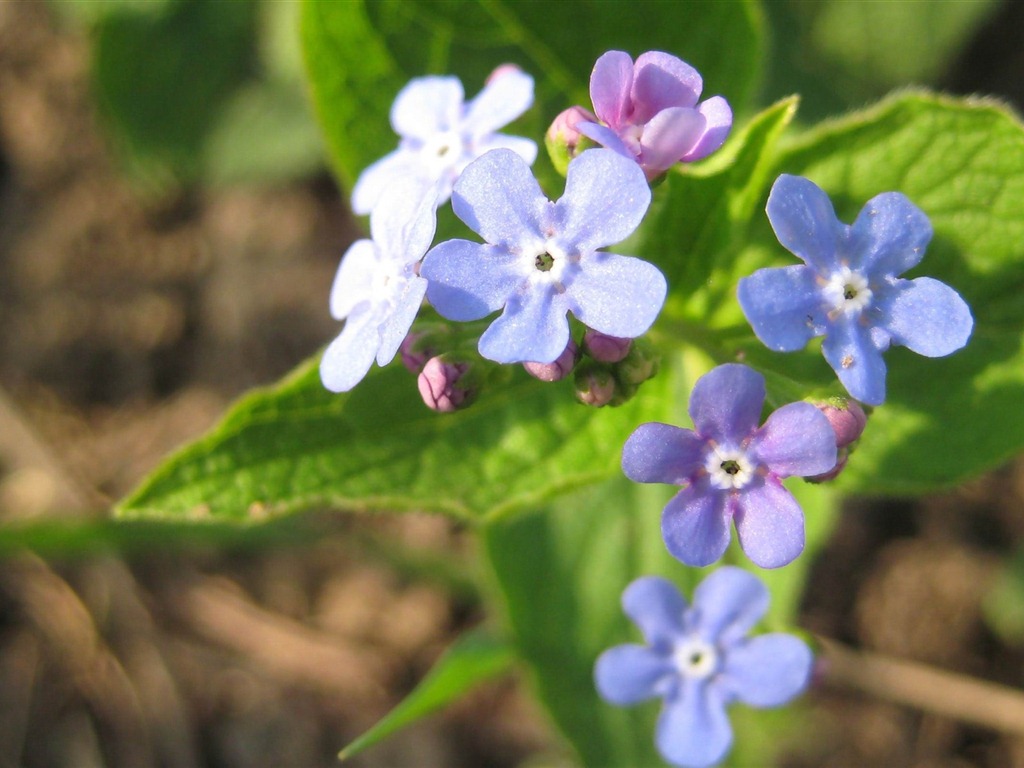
[347, 359]
[606, 197]
[426, 106]
[500, 102]
[889, 236]
[353, 282]
[533, 328]
[783, 305]
[661, 453]
[805, 222]
[728, 603]
[499, 199]
[467, 281]
[606, 137]
[770, 524]
[849, 349]
[617, 295]
[796, 440]
[726, 402]
[393, 168]
[768, 670]
[694, 525]
[693, 729]
[657, 608]
[926, 316]
[403, 311]
[402, 222]
[629, 674]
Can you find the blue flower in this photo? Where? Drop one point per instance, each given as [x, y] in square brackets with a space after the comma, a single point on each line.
[440, 135]
[376, 290]
[540, 259]
[698, 659]
[848, 289]
[731, 469]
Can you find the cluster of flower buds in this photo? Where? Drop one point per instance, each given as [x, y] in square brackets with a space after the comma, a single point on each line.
[613, 369]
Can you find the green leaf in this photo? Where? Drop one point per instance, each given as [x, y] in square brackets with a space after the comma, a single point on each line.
[360, 53]
[296, 446]
[962, 162]
[473, 659]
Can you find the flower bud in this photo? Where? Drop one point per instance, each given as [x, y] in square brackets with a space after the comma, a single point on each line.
[595, 384]
[564, 141]
[848, 420]
[445, 385]
[640, 364]
[604, 348]
[557, 370]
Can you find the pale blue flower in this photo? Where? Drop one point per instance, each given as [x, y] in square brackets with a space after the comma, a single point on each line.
[848, 289]
[698, 659]
[540, 260]
[377, 290]
[731, 469]
[441, 135]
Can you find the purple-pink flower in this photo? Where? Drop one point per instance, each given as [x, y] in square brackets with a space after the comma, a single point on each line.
[649, 111]
[731, 469]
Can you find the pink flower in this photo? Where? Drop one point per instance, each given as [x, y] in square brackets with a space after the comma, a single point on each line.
[649, 111]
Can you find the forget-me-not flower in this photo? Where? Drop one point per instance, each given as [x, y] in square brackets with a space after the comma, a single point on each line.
[649, 111]
[731, 469]
[540, 259]
[377, 290]
[441, 135]
[698, 659]
[848, 289]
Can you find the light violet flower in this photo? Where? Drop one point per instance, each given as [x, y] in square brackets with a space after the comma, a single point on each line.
[698, 659]
[441, 135]
[540, 259]
[649, 111]
[376, 289]
[731, 469]
[848, 289]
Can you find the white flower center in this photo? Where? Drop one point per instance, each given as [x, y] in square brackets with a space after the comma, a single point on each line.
[847, 291]
[548, 262]
[729, 468]
[695, 657]
[442, 151]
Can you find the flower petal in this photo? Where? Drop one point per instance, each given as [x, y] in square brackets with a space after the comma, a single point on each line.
[668, 136]
[848, 348]
[728, 603]
[726, 402]
[770, 524]
[394, 168]
[693, 729]
[718, 122]
[606, 197]
[805, 222]
[610, 85]
[661, 81]
[403, 221]
[426, 106]
[606, 137]
[617, 295]
[694, 525]
[656, 607]
[353, 282]
[500, 102]
[783, 305]
[889, 236]
[927, 317]
[796, 440]
[661, 453]
[768, 670]
[533, 328]
[500, 200]
[399, 321]
[347, 359]
[629, 674]
[467, 281]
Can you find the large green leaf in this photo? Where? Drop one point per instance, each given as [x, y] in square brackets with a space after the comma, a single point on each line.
[360, 53]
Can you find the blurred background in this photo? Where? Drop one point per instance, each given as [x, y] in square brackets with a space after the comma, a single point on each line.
[168, 234]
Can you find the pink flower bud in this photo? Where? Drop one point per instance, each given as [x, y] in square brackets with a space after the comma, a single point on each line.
[564, 140]
[595, 385]
[846, 417]
[443, 385]
[604, 348]
[414, 355]
[557, 370]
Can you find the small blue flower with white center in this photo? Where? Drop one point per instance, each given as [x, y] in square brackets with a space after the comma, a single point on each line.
[540, 259]
[848, 289]
[699, 659]
[731, 469]
[377, 289]
[441, 135]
